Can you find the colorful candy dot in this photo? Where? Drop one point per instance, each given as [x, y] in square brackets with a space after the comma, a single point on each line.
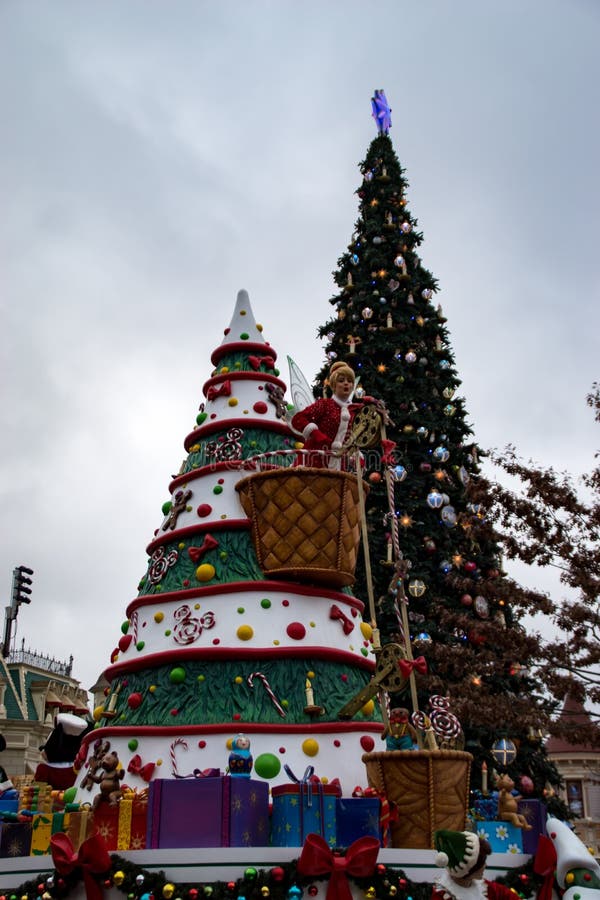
[367, 709]
[224, 370]
[265, 603]
[134, 700]
[152, 688]
[296, 631]
[310, 747]
[285, 602]
[244, 336]
[364, 651]
[125, 626]
[312, 624]
[337, 743]
[366, 630]
[204, 510]
[238, 679]
[177, 675]
[245, 632]
[276, 642]
[200, 418]
[367, 743]
[201, 678]
[217, 489]
[168, 632]
[166, 507]
[174, 712]
[241, 609]
[158, 616]
[205, 572]
[133, 745]
[140, 645]
[260, 407]
[282, 750]
[267, 765]
[202, 744]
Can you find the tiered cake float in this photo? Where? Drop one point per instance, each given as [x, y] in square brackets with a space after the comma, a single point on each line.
[245, 673]
[230, 634]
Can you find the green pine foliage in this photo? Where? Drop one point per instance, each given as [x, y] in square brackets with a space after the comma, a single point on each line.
[388, 325]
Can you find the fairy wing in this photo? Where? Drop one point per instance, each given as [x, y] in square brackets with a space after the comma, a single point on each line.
[300, 390]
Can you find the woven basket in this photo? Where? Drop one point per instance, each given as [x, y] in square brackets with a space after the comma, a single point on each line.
[430, 788]
[305, 523]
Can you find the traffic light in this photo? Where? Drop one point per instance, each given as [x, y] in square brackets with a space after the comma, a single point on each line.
[21, 582]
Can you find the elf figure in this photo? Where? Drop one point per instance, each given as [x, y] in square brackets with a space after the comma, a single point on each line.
[577, 872]
[325, 424]
[464, 856]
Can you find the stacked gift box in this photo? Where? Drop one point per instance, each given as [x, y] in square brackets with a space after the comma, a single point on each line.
[535, 813]
[123, 825]
[303, 807]
[208, 811]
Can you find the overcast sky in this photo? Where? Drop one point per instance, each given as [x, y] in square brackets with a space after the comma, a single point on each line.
[157, 156]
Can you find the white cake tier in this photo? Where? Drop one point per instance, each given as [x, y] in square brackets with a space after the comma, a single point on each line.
[334, 750]
[242, 617]
[239, 399]
[207, 497]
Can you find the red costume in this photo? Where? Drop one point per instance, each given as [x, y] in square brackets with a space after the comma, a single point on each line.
[324, 425]
[447, 889]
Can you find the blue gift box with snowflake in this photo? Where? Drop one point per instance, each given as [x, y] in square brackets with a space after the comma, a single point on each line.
[502, 836]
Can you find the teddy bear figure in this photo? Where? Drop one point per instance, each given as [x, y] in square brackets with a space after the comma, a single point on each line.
[508, 803]
[109, 779]
[399, 734]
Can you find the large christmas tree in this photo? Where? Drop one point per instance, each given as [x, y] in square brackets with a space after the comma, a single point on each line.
[389, 326]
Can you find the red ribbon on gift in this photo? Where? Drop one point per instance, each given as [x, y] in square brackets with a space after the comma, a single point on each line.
[144, 771]
[196, 553]
[257, 361]
[544, 864]
[407, 666]
[317, 859]
[92, 858]
[223, 390]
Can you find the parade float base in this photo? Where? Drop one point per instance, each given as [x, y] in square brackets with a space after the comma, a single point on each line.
[201, 866]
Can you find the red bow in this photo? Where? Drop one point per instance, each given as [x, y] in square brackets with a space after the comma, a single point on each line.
[196, 553]
[257, 361]
[92, 858]
[136, 768]
[407, 666]
[317, 859]
[224, 390]
[388, 448]
[336, 613]
[544, 864]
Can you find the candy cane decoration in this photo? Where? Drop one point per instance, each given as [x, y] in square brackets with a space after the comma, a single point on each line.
[269, 691]
[178, 742]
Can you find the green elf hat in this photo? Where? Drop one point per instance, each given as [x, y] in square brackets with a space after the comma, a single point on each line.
[457, 851]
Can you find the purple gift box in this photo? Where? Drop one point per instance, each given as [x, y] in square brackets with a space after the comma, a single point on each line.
[535, 814]
[222, 811]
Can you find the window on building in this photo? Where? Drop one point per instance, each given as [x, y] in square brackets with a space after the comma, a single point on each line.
[575, 797]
